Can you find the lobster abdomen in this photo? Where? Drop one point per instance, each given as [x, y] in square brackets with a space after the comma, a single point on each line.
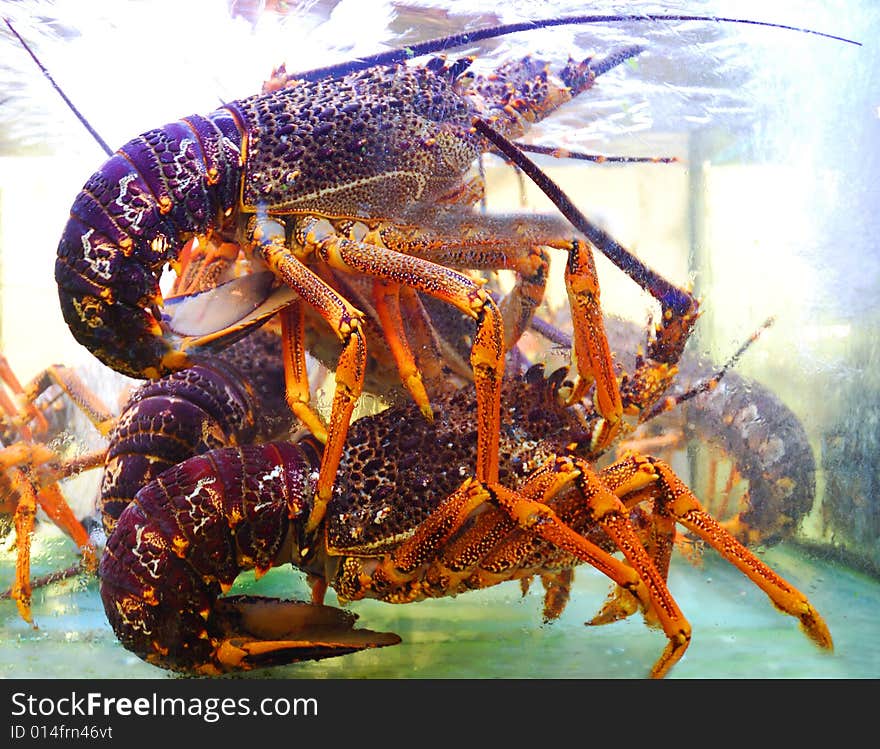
[185, 539]
[235, 398]
[131, 218]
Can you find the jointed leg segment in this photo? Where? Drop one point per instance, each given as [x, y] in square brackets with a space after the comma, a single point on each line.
[672, 502]
[452, 287]
[296, 376]
[30, 471]
[345, 321]
[391, 270]
[528, 510]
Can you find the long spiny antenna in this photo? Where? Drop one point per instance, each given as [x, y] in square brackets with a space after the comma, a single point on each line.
[61, 93]
[454, 40]
[403, 54]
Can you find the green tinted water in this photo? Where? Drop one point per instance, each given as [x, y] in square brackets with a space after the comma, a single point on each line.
[497, 633]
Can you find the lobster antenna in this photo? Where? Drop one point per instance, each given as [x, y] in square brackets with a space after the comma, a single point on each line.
[447, 42]
[667, 404]
[564, 153]
[402, 54]
[668, 295]
[61, 93]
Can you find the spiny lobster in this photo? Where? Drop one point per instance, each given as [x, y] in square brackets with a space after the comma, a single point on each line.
[402, 528]
[393, 535]
[355, 169]
[234, 399]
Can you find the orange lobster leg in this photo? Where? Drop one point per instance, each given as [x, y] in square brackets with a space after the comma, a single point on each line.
[528, 510]
[518, 307]
[606, 509]
[679, 502]
[591, 351]
[28, 498]
[675, 503]
[30, 471]
[482, 243]
[487, 352]
[25, 514]
[11, 409]
[203, 264]
[79, 393]
[296, 376]
[54, 505]
[52, 502]
[26, 453]
[655, 532]
[436, 358]
[36, 455]
[345, 320]
[466, 241]
[386, 299]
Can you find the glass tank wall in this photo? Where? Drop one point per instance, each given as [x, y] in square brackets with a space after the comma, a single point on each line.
[767, 212]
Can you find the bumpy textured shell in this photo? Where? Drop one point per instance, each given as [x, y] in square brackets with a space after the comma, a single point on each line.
[397, 468]
[191, 532]
[234, 399]
[368, 144]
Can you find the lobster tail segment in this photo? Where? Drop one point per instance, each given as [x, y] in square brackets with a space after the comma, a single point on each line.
[107, 275]
[183, 541]
[129, 221]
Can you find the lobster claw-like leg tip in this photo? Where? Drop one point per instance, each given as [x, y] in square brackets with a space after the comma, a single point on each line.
[816, 629]
[619, 605]
[262, 632]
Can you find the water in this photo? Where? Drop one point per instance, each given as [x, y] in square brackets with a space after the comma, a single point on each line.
[497, 633]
